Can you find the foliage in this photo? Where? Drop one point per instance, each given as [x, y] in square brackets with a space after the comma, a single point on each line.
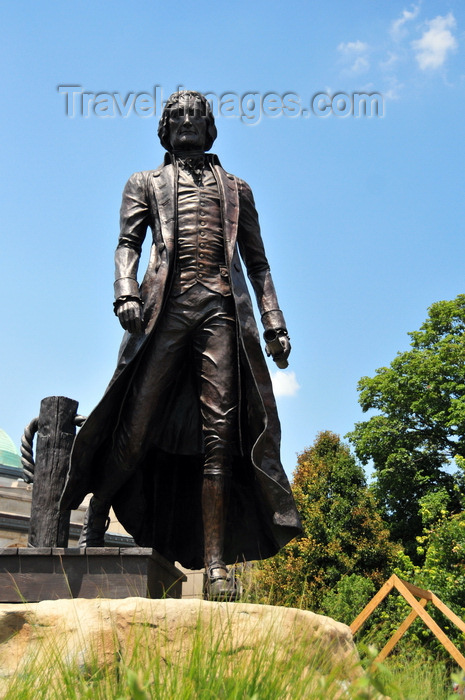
[444, 568]
[420, 425]
[442, 545]
[343, 532]
[348, 598]
[442, 548]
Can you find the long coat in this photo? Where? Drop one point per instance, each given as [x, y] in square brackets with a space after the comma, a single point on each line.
[160, 505]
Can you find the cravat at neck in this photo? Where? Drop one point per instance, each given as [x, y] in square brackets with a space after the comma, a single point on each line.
[194, 165]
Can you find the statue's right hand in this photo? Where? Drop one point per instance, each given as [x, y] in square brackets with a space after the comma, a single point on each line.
[130, 316]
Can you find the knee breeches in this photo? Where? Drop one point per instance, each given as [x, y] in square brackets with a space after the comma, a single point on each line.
[199, 325]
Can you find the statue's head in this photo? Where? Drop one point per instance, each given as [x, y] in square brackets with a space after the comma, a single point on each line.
[187, 123]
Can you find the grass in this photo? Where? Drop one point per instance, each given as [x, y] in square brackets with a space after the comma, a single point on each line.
[410, 674]
[209, 675]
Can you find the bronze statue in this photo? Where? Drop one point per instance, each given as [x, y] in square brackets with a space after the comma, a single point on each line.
[185, 442]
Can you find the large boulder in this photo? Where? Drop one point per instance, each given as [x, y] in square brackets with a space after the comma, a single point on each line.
[94, 633]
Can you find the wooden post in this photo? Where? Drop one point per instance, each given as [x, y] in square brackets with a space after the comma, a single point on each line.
[409, 591]
[403, 588]
[55, 436]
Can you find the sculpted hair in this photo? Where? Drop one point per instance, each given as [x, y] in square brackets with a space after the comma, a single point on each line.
[173, 101]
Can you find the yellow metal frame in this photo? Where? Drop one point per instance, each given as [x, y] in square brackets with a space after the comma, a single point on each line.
[408, 591]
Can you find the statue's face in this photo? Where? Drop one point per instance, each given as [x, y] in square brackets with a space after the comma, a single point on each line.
[188, 126]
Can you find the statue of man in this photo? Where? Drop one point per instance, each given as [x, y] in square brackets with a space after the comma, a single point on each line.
[185, 442]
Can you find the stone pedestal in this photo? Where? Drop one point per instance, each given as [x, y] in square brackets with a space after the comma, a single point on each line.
[46, 573]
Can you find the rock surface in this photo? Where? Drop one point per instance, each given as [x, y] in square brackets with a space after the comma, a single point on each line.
[95, 632]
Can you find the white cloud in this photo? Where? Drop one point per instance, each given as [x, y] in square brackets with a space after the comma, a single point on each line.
[360, 65]
[355, 53]
[431, 51]
[393, 89]
[398, 25]
[284, 383]
[351, 47]
[390, 61]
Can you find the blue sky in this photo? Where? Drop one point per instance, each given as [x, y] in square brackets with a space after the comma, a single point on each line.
[362, 217]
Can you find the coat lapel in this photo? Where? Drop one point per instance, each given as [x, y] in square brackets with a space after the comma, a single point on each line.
[230, 208]
[165, 187]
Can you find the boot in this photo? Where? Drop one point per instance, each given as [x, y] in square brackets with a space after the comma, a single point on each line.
[96, 523]
[219, 582]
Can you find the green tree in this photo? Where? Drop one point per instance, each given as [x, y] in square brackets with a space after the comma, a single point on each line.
[343, 532]
[443, 543]
[442, 549]
[420, 425]
[348, 597]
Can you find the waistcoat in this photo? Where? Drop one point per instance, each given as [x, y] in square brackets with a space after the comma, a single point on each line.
[200, 240]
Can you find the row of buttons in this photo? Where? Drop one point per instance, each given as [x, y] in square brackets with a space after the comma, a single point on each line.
[223, 273]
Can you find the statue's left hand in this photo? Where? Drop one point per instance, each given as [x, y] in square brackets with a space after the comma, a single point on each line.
[130, 316]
